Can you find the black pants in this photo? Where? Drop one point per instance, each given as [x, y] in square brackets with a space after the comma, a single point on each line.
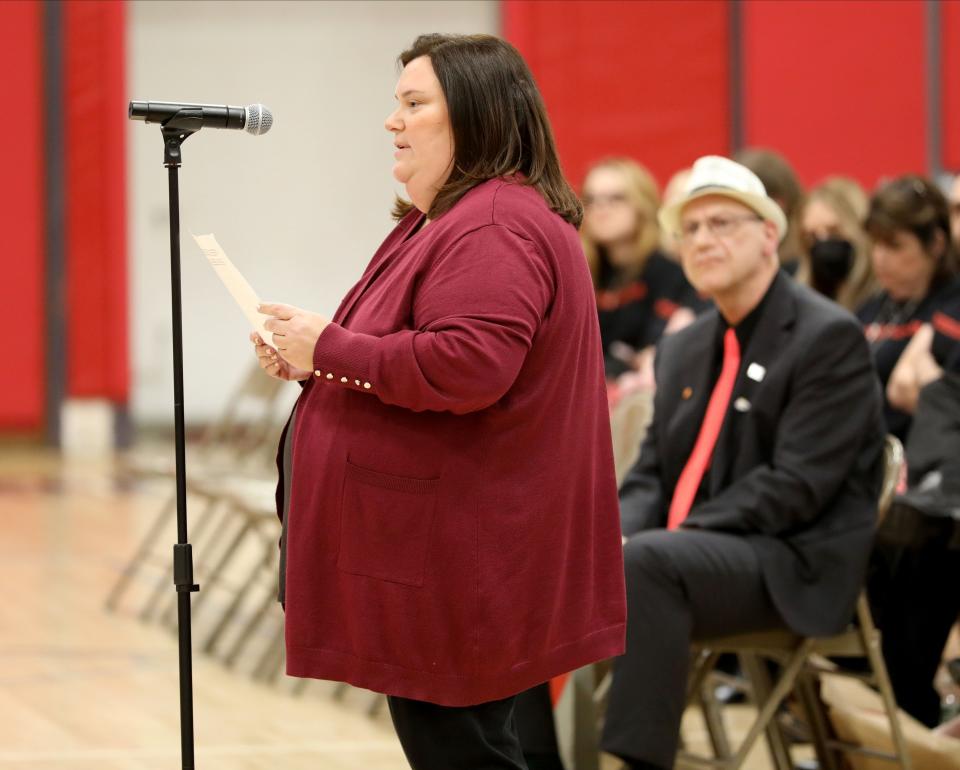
[538, 734]
[481, 737]
[681, 586]
[915, 600]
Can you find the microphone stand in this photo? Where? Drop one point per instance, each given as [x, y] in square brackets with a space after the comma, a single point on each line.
[175, 132]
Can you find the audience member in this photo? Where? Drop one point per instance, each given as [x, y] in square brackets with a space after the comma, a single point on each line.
[945, 325]
[753, 502]
[914, 261]
[835, 259]
[781, 183]
[917, 555]
[954, 200]
[639, 290]
[934, 348]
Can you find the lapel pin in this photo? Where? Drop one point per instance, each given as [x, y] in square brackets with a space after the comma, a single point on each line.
[741, 405]
[686, 393]
[756, 372]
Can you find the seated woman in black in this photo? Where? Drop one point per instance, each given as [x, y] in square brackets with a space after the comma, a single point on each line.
[933, 350]
[914, 262]
[640, 292]
[917, 556]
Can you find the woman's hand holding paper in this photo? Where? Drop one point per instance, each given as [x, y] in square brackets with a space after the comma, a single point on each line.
[273, 364]
[295, 333]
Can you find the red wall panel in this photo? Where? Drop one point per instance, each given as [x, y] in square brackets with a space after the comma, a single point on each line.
[643, 79]
[21, 221]
[950, 84]
[96, 103]
[838, 87]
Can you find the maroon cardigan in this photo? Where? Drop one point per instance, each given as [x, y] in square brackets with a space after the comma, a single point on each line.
[453, 531]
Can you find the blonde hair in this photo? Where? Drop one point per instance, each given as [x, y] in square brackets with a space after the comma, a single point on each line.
[845, 198]
[643, 195]
[673, 192]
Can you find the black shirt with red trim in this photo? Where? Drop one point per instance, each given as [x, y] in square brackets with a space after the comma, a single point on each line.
[946, 332]
[889, 326]
[633, 314]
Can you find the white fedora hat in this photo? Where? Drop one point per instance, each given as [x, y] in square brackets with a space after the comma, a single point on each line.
[714, 175]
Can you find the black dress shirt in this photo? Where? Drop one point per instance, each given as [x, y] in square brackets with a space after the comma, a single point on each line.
[744, 331]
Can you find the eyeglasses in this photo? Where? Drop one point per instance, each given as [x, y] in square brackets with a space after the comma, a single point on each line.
[717, 226]
[604, 199]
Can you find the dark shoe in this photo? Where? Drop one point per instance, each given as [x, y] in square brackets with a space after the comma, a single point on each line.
[641, 765]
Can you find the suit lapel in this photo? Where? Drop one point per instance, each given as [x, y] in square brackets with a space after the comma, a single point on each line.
[766, 342]
[695, 385]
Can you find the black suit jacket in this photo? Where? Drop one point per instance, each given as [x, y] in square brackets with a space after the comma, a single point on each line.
[802, 480]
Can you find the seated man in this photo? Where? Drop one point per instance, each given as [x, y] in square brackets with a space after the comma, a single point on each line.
[753, 503]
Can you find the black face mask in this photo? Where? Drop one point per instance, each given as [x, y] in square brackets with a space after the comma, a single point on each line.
[830, 263]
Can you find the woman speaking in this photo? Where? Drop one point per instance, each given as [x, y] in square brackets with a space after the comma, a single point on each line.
[451, 528]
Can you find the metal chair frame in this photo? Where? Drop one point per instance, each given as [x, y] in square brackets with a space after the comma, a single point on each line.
[232, 444]
[802, 661]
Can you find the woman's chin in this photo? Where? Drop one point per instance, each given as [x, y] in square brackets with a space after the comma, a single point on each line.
[898, 294]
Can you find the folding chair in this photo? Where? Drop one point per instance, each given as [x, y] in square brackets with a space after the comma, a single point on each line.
[801, 660]
[241, 440]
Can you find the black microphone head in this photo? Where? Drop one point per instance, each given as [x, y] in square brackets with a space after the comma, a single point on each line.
[259, 119]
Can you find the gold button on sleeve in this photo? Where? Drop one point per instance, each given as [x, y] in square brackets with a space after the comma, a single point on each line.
[367, 385]
[344, 380]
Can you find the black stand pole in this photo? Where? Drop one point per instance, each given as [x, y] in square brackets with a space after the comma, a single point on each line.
[175, 132]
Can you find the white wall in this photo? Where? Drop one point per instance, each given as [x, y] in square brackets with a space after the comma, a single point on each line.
[299, 210]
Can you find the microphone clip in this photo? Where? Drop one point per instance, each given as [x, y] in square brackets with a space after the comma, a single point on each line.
[176, 129]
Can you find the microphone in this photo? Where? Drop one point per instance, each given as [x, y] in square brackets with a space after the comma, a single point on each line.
[254, 118]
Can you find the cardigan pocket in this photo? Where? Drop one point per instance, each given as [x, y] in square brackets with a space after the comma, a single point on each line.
[385, 525]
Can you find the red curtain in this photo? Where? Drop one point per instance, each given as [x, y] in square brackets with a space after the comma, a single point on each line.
[837, 87]
[21, 217]
[950, 84]
[96, 112]
[93, 111]
[644, 79]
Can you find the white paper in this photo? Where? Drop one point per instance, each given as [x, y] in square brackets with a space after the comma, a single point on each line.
[241, 291]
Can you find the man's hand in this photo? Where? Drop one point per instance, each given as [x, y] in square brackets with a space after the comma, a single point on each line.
[295, 333]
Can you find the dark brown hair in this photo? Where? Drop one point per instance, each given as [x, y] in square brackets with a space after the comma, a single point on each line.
[781, 183]
[914, 204]
[498, 119]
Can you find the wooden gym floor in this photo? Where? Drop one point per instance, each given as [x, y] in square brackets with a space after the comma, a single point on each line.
[84, 689]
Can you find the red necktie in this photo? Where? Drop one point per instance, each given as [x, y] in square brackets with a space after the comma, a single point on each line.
[699, 460]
